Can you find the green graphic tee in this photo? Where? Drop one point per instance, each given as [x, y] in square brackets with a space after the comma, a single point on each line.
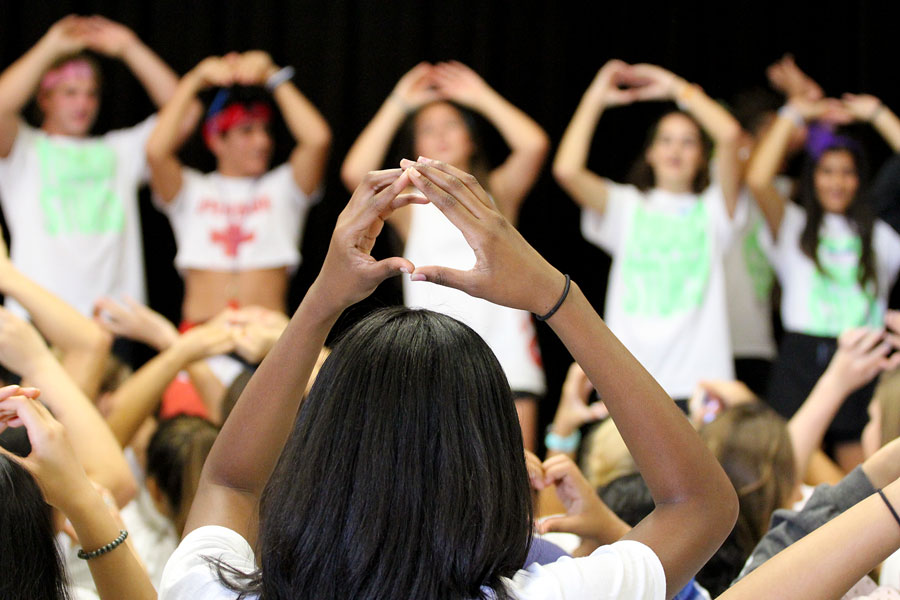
[837, 301]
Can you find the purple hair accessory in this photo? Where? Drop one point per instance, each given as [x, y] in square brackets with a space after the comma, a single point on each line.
[821, 137]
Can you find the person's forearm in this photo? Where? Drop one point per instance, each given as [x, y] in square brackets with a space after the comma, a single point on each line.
[157, 78]
[138, 397]
[304, 121]
[210, 388]
[94, 444]
[769, 154]
[828, 561]
[887, 124]
[118, 573]
[164, 139]
[692, 494]
[369, 149]
[19, 81]
[83, 343]
[520, 132]
[270, 401]
[570, 164]
[808, 425]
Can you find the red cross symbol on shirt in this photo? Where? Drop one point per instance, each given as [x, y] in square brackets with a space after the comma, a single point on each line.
[231, 238]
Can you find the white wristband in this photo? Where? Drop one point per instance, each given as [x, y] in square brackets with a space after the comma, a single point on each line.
[279, 77]
[789, 112]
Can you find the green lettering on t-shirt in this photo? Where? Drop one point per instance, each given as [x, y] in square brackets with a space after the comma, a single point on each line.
[837, 301]
[758, 268]
[666, 262]
[77, 188]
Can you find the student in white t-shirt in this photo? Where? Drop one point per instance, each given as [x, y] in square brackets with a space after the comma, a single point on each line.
[668, 233]
[70, 200]
[402, 474]
[835, 261]
[432, 110]
[238, 229]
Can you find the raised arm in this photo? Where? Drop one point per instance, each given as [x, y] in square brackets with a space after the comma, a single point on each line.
[696, 506]
[866, 108]
[23, 352]
[84, 344]
[511, 181]
[862, 354]
[656, 83]
[20, 80]
[306, 124]
[138, 397]
[570, 165]
[369, 150]
[165, 168]
[53, 463]
[239, 465]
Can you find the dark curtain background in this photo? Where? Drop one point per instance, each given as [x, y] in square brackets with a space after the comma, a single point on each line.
[540, 55]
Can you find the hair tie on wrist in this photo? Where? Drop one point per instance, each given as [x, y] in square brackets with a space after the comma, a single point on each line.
[557, 443]
[789, 112]
[890, 507]
[876, 113]
[104, 549]
[684, 95]
[558, 302]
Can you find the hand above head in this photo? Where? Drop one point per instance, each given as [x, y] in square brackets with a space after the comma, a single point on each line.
[605, 86]
[215, 71]
[507, 269]
[133, 320]
[652, 82]
[52, 461]
[69, 35]
[349, 272]
[416, 87]
[830, 110]
[863, 107]
[455, 81]
[253, 68]
[21, 346]
[108, 37]
[786, 77]
[203, 341]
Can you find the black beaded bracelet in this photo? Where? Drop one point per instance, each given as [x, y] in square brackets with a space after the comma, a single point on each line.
[558, 302]
[890, 507]
[103, 550]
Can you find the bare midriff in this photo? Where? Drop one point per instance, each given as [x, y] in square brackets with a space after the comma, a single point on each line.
[207, 293]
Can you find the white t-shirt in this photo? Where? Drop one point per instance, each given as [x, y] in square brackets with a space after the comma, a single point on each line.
[433, 240]
[666, 295]
[624, 570]
[826, 303]
[238, 223]
[72, 209]
[748, 285]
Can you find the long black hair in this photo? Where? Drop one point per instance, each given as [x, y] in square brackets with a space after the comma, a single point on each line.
[31, 567]
[859, 213]
[404, 476]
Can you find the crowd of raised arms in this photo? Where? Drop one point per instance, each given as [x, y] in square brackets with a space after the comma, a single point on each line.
[690, 455]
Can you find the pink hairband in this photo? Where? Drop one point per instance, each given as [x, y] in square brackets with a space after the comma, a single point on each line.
[74, 69]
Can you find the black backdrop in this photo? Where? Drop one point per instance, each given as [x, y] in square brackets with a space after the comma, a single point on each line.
[540, 55]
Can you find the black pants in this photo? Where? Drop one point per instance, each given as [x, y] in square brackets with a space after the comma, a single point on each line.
[801, 361]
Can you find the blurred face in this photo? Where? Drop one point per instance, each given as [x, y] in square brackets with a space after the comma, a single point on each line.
[676, 153]
[836, 181]
[70, 107]
[244, 150]
[441, 133]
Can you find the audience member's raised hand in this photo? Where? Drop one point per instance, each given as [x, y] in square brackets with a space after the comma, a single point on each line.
[507, 269]
[786, 77]
[573, 409]
[133, 320]
[107, 37]
[21, 347]
[349, 272]
[586, 514]
[416, 87]
[861, 355]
